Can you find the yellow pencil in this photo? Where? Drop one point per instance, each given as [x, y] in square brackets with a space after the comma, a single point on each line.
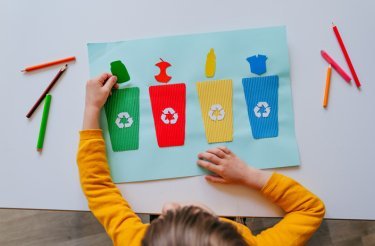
[328, 82]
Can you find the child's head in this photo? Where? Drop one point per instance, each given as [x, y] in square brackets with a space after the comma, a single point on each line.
[191, 225]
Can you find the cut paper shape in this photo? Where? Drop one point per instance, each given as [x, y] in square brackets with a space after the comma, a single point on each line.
[126, 116]
[257, 64]
[261, 94]
[211, 64]
[215, 98]
[163, 77]
[166, 112]
[216, 112]
[168, 103]
[122, 112]
[119, 70]
[258, 108]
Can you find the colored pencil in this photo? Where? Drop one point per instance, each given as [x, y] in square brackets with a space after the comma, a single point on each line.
[346, 55]
[47, 64]
[336, 66]
[53, 82]
[43, 123]
[328, 83]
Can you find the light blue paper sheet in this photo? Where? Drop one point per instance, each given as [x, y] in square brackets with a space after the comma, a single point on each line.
[187, 55]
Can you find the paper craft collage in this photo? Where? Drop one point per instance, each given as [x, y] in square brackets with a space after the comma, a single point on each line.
[181, 95]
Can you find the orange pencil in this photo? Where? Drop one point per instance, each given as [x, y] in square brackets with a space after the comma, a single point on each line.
[47, 64]
[328, 83]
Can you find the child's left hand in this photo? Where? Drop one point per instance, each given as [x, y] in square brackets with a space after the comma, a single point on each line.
[98, 90]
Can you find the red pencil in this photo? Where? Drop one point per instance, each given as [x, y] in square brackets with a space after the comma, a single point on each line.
[345, 52]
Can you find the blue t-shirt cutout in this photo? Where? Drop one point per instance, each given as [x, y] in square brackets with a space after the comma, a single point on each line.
[257, 64]
[261, 95]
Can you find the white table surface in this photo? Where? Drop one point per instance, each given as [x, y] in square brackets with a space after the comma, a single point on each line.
[336, 145]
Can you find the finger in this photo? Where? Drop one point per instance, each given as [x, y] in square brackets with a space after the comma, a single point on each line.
[215, 179]
[209, 157]
[110, 83]
[218, 152]
[225, 150]
[103, 78]
[116, 86]
[209, 166]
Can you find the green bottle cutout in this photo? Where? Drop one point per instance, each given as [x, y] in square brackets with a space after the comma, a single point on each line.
[119, 70]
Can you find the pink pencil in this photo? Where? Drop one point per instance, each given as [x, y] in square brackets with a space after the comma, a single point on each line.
[336, 66]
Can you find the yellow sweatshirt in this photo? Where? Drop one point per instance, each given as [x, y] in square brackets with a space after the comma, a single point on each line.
[304, 211]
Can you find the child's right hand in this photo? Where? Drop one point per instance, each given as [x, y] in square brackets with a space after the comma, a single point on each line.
[228, 168]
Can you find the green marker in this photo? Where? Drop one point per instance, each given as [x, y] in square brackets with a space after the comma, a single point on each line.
[43, 123]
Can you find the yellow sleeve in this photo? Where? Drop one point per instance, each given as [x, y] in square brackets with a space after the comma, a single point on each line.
[105, 201]
[304, 212]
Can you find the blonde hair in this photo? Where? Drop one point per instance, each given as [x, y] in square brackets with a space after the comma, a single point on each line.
[191, 226]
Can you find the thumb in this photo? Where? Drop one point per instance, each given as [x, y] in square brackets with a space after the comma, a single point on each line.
[215, 179]
[110, 82]
[103, 78]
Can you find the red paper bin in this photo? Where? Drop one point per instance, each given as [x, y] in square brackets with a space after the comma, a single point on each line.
[168, 103]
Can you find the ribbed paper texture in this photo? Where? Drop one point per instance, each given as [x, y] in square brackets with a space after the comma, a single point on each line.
[262, 93]
[122, 111]
[168, 103]
[215, 98]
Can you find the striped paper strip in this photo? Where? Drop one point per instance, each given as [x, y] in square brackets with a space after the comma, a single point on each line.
[261, 94]
[215, 99]
[168, 103]
[122, 111]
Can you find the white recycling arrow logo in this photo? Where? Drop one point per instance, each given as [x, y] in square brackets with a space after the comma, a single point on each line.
[266, 112]
[171, 111]
[216, 108]
[124, 115]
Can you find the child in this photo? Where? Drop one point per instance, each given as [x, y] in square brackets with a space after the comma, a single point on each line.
[189, 224]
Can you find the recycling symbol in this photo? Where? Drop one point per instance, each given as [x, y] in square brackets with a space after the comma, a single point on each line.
[216, 112]
[171, 114]
[262, 106]
[129, 120]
